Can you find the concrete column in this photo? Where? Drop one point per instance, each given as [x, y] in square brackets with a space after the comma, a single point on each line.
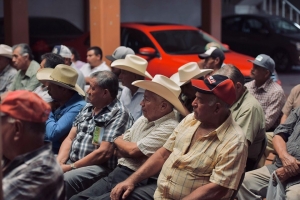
[105, 24]
[16, 22]
[211, 17]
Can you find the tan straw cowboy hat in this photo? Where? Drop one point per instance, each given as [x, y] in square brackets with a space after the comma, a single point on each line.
[5, 51]
[62, 75]
[187, 72]
[134, 64]
[166, 88]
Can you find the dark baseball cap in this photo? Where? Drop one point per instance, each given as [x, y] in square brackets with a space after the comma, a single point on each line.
[213, 52]
[219, 85]
[265, 61]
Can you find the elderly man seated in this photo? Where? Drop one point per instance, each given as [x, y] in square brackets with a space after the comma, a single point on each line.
[286, 142]
[87, 152]
[206, 154]
[30, 170]
[147, 134]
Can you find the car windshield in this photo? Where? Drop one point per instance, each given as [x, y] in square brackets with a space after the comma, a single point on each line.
[184, 41]
[284, 26]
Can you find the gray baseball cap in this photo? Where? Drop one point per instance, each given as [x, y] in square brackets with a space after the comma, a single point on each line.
[120, 53]
[264, 61]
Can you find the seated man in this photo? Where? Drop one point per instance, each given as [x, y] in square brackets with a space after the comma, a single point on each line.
[292, 102]
[7, 72]
[119, 53]
[248, 113]
[22, 59]
[86, 154]
[183, 79]
[206, 154]
[132, 68]
[30, 170]
[147, 134]
[63, 89]
[48, 60]
[286, 142]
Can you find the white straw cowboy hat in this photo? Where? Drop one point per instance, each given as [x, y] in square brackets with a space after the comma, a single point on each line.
[164, 87]
[187, 72]
[134, 64]
[5, 51]
[62, 75]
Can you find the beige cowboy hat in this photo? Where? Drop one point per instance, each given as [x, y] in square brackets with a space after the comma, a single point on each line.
[134, 64]
[187, 72]
[164, 87]
[62, 75]
[5, 51]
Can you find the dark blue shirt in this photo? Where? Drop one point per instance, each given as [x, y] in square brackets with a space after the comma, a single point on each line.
[60, 122]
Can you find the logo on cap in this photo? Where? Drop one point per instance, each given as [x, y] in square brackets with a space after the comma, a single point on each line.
[259, 58]
[211, 80]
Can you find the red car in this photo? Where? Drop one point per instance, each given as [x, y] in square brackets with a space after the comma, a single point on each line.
[169, 46]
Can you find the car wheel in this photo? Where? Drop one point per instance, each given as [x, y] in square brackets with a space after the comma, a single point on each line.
[282, 60]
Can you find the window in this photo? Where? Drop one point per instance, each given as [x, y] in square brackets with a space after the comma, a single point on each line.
[252, 26]
[232, 24]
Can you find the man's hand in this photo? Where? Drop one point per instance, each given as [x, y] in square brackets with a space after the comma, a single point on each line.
[290, 164]
[282, 175]
[124, 188]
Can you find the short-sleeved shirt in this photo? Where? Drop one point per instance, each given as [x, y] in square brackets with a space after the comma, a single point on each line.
[113, 120]
[132, 102]
[248, 113]
[6, 78]
[291, 130]
[220, 158]
[34, 175]
[87, 70]
[271, 97]
[293, 101]
[149, 136]
[26, 80]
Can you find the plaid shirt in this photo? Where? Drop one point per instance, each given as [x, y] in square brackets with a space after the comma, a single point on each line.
[115, 120]
[271, 98]
[219, 157]
[34, 175]
[6, 78]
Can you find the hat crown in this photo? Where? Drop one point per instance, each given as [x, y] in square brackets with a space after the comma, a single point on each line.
[5, 50]
[121, 52]
[63, 51]
[264, 61]
[64, 74]
[188, 71]
[167, 83]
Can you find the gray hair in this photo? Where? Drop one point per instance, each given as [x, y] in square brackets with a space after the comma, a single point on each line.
[107, 80]
[52, 60]
[25, 50]
[232, 72]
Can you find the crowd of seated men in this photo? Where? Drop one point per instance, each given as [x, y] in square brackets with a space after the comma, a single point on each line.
[74, 130]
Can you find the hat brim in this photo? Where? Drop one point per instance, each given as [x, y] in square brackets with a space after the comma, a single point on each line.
[258, 64]
[176, 79]
[110, 58]
[44, 76]
[201, 87]
[163, 92]
[203, 56]
[120, 65]
[6, 55]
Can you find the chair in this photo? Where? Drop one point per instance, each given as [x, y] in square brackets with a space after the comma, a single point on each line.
[252, 164]
[240, 183]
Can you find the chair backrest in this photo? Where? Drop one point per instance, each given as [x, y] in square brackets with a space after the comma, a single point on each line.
[240, 183]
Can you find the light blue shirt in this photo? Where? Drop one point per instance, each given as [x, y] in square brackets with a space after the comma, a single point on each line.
[60, 122]
[132, 103]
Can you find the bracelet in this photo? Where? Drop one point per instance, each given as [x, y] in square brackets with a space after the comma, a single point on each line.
[73, 166]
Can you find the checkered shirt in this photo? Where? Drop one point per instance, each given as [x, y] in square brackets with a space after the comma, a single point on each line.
[219, 157]
[34, 175]
[114, 118]
[6, 78]
[271, 97]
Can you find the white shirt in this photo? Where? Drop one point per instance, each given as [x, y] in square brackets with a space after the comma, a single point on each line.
[132, 102]
[87, 70]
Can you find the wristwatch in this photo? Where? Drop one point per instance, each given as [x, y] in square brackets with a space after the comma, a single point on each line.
[73, 166]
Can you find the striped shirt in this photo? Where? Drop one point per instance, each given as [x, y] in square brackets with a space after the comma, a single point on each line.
[34, 175]
[6, 78]
[220, 158]
[149, 136]
[271, 97]
[114, 119]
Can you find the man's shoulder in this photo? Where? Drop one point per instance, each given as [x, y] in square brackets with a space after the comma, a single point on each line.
[251, 103]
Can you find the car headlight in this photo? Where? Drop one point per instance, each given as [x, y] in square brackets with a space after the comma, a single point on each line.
[297, 45]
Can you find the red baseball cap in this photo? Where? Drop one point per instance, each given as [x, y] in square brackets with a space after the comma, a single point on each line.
[219, 85]
[25, 105]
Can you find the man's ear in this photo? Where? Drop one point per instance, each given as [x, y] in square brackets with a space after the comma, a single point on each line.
[217, 107]
[19, 126]
[217, 60]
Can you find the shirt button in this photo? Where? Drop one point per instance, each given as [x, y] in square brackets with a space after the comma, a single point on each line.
[297, 147]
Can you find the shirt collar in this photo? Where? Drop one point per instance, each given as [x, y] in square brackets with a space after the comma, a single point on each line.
[241, 99]
[30, 71]
[263, 86]
[160, 120]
